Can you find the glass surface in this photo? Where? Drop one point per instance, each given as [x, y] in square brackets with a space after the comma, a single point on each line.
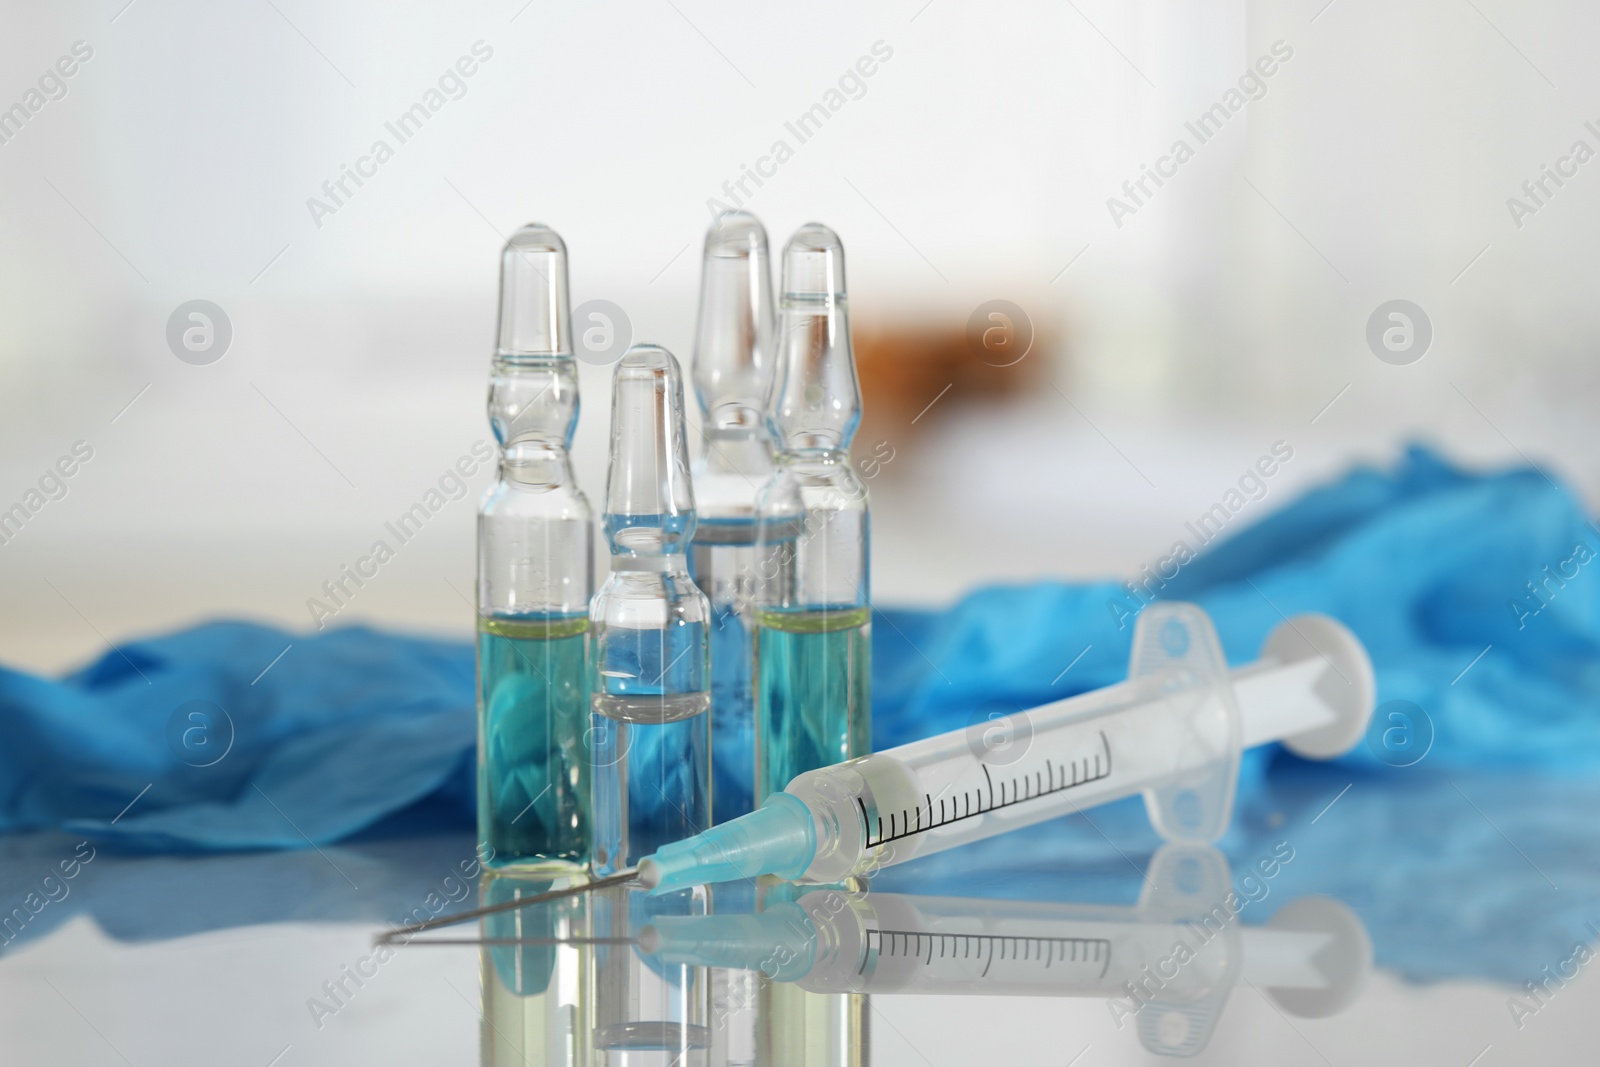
[196, 960]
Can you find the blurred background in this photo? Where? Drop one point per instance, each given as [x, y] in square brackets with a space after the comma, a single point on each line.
[1174, 339]
[1338, 155]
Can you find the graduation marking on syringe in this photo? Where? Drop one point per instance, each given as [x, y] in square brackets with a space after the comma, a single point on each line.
[915, 944]
[1019, 792]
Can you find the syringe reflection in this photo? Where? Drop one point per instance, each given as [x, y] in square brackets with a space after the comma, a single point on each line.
[1167, 964]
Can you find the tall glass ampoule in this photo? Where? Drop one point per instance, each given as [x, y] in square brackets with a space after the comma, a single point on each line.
[733, 361]
[535, 573]
[813, 614]
[650, 664]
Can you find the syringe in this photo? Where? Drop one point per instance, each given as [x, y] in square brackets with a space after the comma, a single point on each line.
[1168, 963]
[1173, 731]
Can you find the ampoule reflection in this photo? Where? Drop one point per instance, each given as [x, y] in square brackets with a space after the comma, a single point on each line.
[801, 1026]
[537, 996]
[647, 1012]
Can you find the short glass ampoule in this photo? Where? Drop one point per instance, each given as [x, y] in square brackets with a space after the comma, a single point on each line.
[535, 575]
[732, 370]
[650, 668]
[813, 613]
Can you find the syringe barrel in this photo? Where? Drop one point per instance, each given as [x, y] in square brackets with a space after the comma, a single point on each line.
[945, 791]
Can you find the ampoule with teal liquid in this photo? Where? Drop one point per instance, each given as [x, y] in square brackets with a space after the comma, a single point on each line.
[650, 665]
[535, 574]
[813, 613]
[734, 355]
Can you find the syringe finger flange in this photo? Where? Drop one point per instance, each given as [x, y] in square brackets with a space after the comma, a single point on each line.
[1177, 641]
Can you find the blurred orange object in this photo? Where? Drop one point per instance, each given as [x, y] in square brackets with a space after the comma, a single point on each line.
[912, 375]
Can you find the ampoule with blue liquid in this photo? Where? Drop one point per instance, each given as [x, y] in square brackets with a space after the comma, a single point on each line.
[813, 607]
[813, 612]
[733, 361]
[535, 574]
[650, 665]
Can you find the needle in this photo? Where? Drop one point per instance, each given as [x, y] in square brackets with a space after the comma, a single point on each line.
[527, 942]
[622, 877]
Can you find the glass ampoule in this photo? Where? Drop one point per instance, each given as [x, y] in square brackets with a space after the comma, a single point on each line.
[650, 663]
[535, 574]
[732, 369]
[813, 614]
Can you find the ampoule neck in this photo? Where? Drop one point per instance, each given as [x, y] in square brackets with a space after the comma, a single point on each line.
[533, 400]
[736, 419]
[535, 464]
[814, 457]
[631, 564]
[631, 541]
[737, 450]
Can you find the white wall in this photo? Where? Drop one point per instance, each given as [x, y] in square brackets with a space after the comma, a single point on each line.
[1222, 315]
